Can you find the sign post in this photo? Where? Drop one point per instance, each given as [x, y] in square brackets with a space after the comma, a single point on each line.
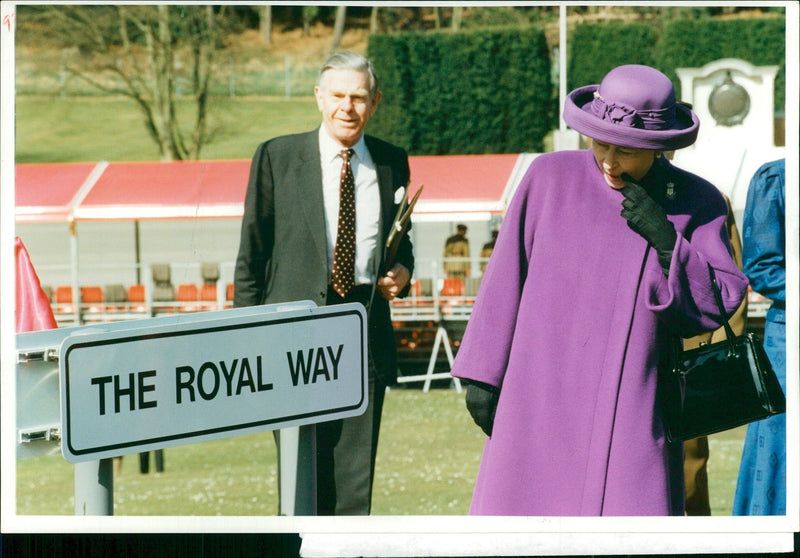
[298, 470]
[94, 487]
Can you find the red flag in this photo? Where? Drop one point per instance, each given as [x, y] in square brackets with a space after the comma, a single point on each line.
[33, 310]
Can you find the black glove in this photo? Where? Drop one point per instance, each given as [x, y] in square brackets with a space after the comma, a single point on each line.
[647, 218]
[482, 404]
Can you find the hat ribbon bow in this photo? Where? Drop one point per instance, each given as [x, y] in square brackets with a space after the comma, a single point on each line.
[651, 119]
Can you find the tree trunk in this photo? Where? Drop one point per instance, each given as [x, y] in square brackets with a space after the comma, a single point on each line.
[373, 20]
[265, 24]
[338, 27]
[163, 78]
[205, 54]
[309, 12]
[437, 18]
[455, 24]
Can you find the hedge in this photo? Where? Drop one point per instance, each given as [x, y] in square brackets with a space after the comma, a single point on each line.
[595, 48]
[486, 91]
[490, 91]
[694, 43]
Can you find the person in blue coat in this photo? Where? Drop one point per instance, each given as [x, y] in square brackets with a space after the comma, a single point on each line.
[761, 486]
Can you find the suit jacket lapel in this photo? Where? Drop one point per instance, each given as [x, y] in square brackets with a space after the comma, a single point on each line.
[308, 177]
[386, 188]
[385, 183]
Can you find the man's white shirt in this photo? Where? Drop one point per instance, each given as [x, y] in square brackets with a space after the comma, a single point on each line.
[368, 202]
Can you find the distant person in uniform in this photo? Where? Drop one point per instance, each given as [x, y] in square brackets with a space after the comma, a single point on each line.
[291, 249]
[487, 250]
[455, 248]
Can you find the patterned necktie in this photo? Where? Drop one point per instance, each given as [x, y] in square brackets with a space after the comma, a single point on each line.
[344, 254]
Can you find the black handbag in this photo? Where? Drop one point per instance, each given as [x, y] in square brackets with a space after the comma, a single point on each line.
[718, 386]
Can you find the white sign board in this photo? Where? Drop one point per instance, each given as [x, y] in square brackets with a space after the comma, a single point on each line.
[155, 387]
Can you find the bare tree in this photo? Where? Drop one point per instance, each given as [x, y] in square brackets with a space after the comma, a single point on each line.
[134, 51]
[265, 24]
[338, 26]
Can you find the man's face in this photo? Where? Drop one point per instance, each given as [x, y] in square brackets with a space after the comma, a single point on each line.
[346, 106]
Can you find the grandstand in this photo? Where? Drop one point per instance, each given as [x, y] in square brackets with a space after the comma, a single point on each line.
[135, 240]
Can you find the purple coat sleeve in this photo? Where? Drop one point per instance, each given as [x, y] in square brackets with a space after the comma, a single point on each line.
[685, 299]
[490, 333]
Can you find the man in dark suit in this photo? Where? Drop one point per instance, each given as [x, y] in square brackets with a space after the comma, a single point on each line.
[288, 242]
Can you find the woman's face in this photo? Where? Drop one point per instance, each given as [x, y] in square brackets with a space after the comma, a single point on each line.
[615, 160]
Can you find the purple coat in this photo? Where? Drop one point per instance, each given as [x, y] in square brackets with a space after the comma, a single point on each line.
[570, 320]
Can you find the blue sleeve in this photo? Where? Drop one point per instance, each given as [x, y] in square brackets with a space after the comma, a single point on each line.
[764, 235]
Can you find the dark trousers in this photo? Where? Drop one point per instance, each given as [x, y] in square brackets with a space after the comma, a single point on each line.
[346, 448]
[144, 461]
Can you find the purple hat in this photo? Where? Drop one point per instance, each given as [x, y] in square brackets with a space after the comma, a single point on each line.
[634, 106]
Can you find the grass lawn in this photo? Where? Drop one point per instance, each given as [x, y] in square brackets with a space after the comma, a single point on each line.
[428, 458]
[55, 129]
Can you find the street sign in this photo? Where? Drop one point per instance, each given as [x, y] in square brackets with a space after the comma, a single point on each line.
[225, 374]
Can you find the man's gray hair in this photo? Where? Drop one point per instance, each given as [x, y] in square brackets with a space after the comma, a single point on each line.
[346, 60]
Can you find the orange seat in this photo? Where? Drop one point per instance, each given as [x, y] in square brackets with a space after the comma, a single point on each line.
[137, 298]
[208, 292]
[453, 286]
[63, 300]
[92, 299]
[91, 294]
[187, 292]
[229, 295]
[63, 294]
[136, 293]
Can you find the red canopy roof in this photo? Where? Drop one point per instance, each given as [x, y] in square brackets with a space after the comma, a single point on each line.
[167, 190]
[456, 184]
[461, 183]
[45, 192]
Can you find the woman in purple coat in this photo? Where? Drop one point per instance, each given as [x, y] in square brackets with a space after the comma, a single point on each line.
[601, 258]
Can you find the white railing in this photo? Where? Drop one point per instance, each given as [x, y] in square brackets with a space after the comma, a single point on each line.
[433, 297]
